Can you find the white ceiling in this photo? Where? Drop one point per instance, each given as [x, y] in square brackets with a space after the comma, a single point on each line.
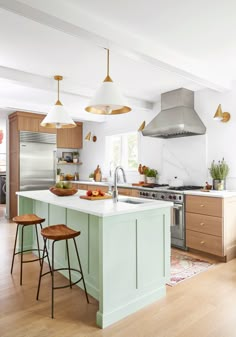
[156, 46]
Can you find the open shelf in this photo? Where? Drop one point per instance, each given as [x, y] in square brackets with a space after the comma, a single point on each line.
[70, 163]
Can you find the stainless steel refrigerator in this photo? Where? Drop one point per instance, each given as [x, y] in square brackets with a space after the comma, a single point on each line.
[37, 160]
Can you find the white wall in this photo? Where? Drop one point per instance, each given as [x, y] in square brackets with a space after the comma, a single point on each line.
[188, 158]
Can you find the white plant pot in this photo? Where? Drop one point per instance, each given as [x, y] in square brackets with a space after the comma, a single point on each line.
[151, 180]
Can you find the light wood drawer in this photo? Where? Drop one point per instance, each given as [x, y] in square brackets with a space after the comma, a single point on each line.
[82, 186]
[98, 187]
[204, 242]
[204, 205]
[204, 224]
[135, 193]
[124, 191]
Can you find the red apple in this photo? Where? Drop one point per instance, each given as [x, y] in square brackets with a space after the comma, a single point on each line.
[89, 193]
[95, 193]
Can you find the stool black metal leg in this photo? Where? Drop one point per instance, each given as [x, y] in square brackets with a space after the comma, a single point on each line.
[21, 254]
[41, 269]
[52, 308]
[47, 254]
[68, 258]
[37, 237]
[14, 250]
[77, 253]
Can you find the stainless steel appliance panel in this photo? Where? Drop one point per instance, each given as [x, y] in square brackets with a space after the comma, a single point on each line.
[37, 165]
[2, 189]
[178, 226]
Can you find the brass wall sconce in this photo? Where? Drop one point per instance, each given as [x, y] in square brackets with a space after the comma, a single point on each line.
[221, 116]
[142, 126]
[90, 138]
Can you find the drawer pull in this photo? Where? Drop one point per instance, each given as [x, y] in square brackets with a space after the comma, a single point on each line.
[202, 224]
[202, 242]
[201, 205]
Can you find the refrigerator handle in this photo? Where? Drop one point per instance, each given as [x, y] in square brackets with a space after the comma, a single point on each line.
[54, 165]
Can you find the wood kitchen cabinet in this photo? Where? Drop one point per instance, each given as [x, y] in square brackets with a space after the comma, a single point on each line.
[211, 225]
[27, 121]
[71, 138]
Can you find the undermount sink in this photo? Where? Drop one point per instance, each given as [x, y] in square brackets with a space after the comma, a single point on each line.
[132, 201]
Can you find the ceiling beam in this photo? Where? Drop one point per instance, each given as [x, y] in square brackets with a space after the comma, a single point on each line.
[135, 52]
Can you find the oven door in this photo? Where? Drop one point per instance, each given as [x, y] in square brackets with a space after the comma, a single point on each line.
[178, 227]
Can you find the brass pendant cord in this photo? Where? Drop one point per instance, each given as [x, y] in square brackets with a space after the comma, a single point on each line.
[108, 62]
[58, 90]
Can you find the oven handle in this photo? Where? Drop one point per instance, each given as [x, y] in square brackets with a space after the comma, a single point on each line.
[178, 207]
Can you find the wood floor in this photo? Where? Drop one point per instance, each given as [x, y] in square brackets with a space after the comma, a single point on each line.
[203, 306]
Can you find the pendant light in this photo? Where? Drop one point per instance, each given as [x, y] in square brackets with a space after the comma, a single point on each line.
[108, 99]
[57, 116]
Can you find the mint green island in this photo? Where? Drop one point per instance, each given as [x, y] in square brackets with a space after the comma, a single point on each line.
[124, 247]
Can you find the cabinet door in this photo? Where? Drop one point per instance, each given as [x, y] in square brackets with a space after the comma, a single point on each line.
[98, 187]
[124, 191]
[204, 205]
[28, 123]
[70, 138]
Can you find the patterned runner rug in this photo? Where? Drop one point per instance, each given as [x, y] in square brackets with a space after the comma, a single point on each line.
[184, 266]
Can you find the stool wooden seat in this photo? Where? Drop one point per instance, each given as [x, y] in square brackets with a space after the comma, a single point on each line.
[22, 221]
[57, 233]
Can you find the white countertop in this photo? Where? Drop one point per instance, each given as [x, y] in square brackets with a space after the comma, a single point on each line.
[213, 193]
[100, 208]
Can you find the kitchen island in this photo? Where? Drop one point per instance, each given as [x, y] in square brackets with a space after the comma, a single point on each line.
[124, 247]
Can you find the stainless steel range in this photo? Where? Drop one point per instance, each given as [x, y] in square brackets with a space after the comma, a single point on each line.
[176, 195]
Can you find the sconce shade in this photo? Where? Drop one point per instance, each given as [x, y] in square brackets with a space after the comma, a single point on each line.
[221, 116]
[57, 116]
[142, 126]
[108, 99]
[88, 136]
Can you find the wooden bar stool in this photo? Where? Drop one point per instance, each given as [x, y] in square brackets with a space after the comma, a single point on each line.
[57, 233]
[23, 221]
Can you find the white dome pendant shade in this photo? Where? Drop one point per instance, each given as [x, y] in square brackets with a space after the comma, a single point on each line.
[58, 117]
[108, 99]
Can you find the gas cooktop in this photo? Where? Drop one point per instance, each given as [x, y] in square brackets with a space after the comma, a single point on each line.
[178, 188]
[154, 185]
[185, 188]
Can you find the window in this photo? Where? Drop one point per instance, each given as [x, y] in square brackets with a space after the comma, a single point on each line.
[122, 150]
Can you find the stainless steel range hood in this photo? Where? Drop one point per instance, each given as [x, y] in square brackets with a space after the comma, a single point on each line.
[177, 117]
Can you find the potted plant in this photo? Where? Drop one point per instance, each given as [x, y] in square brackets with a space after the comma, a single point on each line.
[219, 172]
[91, 177]
[75, 157]
[151, 175]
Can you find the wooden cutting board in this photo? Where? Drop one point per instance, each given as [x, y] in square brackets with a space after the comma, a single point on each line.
[96, 198]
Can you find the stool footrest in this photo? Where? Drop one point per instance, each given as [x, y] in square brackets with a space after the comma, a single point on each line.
[32, 250]
[67, 285]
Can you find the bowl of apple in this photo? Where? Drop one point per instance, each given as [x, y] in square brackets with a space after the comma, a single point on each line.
[63, 189]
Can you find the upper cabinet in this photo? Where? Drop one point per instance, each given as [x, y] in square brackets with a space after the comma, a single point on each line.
[71, 138]
[27, 121]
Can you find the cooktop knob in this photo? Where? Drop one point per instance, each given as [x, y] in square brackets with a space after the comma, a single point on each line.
[162, 197]
[170, 197]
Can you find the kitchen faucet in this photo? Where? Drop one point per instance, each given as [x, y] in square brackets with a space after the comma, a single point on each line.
[115, 190]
